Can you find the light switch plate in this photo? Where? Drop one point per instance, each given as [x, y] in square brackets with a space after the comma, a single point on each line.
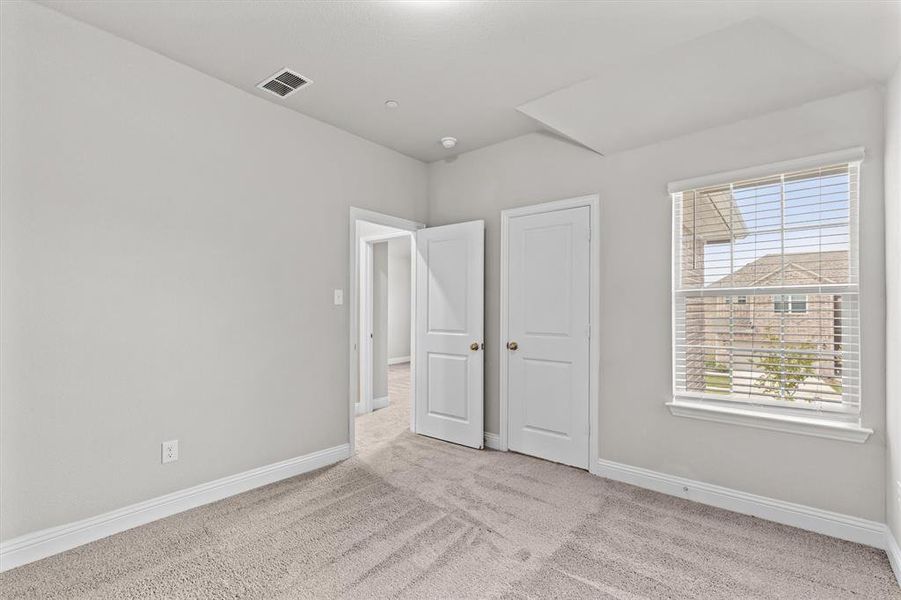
[339, 297]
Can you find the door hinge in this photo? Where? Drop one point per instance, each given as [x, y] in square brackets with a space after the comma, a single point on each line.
[588, 331]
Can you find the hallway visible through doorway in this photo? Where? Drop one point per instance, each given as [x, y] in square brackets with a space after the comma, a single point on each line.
[387, 423]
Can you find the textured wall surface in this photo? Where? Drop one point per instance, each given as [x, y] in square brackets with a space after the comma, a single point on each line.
[169, 249]
[399, 298]
[380, 320]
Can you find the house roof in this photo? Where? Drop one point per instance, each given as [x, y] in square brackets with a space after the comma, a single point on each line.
[796, 268]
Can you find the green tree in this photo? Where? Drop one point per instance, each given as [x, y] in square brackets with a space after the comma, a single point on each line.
[783, 373]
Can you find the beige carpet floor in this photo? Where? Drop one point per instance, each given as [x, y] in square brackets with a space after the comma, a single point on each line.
[411, 517]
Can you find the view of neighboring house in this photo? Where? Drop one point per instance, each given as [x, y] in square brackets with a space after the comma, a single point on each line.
[741, 328]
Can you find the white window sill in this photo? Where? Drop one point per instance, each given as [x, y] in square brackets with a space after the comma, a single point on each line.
[847, 432]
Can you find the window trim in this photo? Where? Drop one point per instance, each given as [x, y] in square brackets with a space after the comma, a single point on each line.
[847, 155]
[750, 416]
[789, 419]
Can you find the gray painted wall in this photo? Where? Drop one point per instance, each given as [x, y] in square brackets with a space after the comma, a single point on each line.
[893, 301]
[379, 320]
[635, 267]
[399, 298]
[169, 250]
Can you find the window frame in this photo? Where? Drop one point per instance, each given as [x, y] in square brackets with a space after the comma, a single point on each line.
[837, 421]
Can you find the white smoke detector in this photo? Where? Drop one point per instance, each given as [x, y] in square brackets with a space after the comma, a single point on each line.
[448, 142]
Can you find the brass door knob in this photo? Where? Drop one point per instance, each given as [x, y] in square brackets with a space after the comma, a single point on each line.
[512, 346]
[474, 346]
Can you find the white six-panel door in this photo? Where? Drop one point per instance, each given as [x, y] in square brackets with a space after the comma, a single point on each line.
[449, 332]
[548, 335]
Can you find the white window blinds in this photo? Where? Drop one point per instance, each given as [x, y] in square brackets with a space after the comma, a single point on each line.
[765, 292]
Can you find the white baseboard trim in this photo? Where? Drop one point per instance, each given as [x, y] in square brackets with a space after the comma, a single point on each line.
[378, 403]
[359, 409]
[894, 553]
[492, 440]
[846, 527]
[47, 542]
[398, 360]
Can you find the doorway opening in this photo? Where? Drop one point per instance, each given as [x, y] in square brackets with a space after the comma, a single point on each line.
[442, 388]
[382, 316]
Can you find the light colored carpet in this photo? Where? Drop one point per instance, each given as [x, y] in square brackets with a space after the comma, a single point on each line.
[411, 517]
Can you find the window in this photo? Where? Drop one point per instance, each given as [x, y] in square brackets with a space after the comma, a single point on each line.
[765, 296]
[790, 303]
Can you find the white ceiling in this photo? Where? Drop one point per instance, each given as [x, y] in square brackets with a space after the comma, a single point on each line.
[735, 73]
[461, 69]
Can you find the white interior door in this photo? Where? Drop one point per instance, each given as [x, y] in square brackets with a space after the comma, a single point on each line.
[449, 332]
[548, 330]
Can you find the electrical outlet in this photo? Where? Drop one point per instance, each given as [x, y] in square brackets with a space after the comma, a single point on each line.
[339, 297]
[170, 451]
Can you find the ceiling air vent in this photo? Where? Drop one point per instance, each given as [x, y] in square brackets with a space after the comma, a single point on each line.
[284, 83]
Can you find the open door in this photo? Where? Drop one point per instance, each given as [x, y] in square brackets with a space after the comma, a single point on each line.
[449, 332]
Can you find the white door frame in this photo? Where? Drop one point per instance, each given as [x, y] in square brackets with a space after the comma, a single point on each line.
[594, 346]
[354, 255]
